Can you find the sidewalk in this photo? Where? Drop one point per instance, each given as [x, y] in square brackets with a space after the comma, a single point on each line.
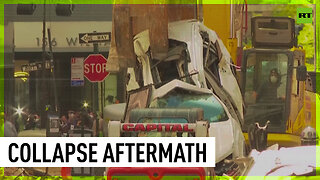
[32, 133]
[14, 171]
[53, 171]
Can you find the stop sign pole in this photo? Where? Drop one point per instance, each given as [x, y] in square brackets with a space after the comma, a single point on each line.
[95, 71]
[95, 87]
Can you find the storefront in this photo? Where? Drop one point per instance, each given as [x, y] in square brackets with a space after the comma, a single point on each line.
[35, 91]
[65, 46]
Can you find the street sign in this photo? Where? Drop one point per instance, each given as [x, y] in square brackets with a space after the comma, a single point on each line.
[77, 71]
[95, 68]
[35, 66]
[94, 37]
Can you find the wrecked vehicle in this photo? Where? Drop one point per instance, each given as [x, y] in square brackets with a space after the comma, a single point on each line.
[191, 67]
[197, 72]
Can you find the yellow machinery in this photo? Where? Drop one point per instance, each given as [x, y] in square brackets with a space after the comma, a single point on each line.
[299, 106]
[291, 108]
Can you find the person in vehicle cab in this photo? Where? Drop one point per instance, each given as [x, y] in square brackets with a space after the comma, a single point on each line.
[268, 90]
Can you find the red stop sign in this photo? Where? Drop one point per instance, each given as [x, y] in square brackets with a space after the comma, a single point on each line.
[95, 67]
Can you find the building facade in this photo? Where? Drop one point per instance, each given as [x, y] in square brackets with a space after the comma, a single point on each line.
[35, 90]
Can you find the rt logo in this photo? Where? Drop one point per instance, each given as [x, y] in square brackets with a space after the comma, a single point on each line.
[304, 15]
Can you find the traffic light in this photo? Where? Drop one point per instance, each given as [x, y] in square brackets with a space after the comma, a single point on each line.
[25, 9]
[64, 9]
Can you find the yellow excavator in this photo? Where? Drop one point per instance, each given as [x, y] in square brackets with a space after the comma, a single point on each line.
[297, 104]
[292, 105]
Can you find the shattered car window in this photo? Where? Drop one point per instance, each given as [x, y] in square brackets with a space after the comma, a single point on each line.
[211, 55]
[173, 65]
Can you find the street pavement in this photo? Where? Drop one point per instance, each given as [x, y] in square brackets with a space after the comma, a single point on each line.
[32, 133]
[53, 171]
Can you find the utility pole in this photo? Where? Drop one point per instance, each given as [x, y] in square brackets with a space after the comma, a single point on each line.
[43, 87]
[52, 68]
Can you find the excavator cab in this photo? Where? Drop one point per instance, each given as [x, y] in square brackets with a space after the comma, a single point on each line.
[266, 87]
[273, 76]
